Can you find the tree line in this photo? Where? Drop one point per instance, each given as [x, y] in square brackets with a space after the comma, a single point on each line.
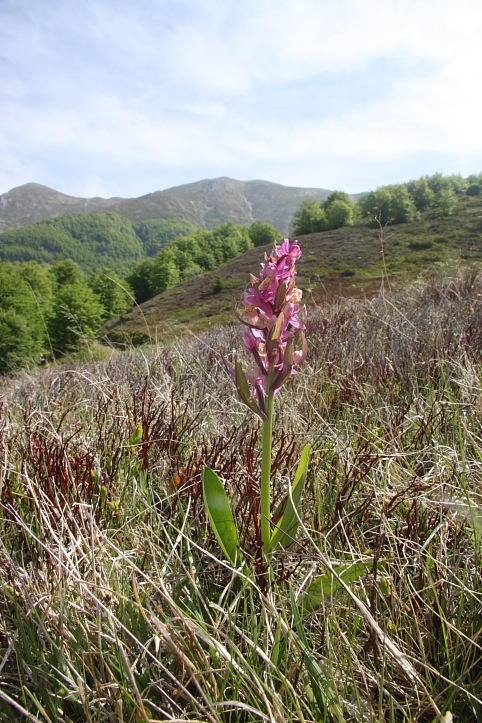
[49, 310]
[391, 204]
[193, 254]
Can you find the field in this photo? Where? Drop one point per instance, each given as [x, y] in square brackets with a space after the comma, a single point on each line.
[116, 603]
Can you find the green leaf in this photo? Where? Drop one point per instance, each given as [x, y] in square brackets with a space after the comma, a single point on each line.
[329, 583]
[242, 387]
[285, 532]
[220, 515]
[136, 436]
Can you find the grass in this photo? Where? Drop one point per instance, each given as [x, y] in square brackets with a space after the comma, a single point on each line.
[115, 604]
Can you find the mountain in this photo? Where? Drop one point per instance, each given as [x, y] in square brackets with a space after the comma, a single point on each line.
[33, 202]
[205, 203]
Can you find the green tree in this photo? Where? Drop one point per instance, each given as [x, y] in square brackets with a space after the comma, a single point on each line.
[336, 196]
[39, 279]
[91, 240]
[165, 272]
[423, 196]
[231, 240]
[439, 182]
[262, 233]
[389, 204]
[339, 214]
[459, 184]
[185, 252]
[446, 202]
[18, 347]
[402, 206]
[376, 205]
[309, 218]
[113, 293]
[187, 256]
[67, 272]
[76, 317]
[474, 189]
[140, 280]
[28, 313]
[208, 257]
[474, 178]
[155, 233]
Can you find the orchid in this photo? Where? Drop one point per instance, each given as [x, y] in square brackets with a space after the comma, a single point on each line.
[276, 344]
[275, 319]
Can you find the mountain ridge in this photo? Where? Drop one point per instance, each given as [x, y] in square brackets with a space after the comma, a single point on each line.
[207, 203]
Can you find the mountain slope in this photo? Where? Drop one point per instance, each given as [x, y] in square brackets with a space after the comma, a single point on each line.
[93, 240]
[204, 203]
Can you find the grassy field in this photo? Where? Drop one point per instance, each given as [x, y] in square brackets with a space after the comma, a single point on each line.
[116, 604]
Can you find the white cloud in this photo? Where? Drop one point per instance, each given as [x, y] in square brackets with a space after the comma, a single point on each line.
[213, 84]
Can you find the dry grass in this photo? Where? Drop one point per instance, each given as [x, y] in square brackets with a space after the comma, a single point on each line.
[115, 605]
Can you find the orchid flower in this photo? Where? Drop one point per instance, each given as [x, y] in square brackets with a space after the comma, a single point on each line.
[276, 344]
[275, 319]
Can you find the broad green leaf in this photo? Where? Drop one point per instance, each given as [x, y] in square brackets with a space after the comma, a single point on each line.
[329, 583]
[287, 527]
[220, 515]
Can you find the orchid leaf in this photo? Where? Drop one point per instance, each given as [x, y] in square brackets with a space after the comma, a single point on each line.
[242, 387]
[331, 582]
[220, 515]
[287, 527]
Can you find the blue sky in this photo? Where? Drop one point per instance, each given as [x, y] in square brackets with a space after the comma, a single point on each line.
[122, 98]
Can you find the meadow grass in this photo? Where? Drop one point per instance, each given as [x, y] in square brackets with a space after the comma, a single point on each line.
[116, 604]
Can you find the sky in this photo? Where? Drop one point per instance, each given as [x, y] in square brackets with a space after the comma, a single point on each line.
[127, 97]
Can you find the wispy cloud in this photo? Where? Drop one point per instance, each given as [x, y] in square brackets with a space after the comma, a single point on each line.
[117, 96]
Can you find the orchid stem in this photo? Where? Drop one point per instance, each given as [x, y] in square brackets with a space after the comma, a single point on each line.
[265, 489]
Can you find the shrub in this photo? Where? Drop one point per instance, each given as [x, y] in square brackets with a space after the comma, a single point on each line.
[475, 189]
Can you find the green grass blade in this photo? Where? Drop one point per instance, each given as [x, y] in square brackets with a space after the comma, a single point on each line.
[325, 697]
[286, 530]
[220, 515]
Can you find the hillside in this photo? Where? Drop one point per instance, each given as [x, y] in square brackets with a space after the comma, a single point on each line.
[93, 240]
[341, 263]
[205, 203]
